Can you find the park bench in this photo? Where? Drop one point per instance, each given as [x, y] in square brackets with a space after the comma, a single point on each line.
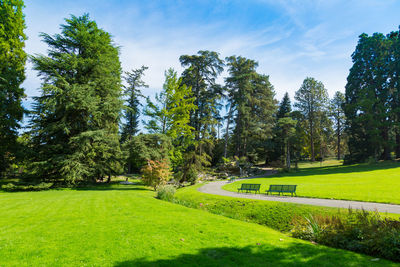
[276, 188]
[249, 188]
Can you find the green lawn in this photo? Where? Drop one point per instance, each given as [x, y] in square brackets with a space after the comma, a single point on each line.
[375, 183]
[127, 226]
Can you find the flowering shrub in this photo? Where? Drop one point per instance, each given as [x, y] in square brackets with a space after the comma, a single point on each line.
[156, 173]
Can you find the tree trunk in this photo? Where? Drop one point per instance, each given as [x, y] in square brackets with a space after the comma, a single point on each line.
[288, 155]
[386, 146]
[312, 141]
[398, 145]
[227, 132]
[338, 139]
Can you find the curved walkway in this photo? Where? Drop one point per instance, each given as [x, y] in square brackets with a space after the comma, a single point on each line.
[215, 189]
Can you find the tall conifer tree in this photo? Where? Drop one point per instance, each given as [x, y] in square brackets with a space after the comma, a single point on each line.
[75, 120]
[132, 108]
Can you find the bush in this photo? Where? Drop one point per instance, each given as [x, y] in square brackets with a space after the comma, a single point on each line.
[10, 187]
[166, 192]
[156, 173]
[359, 231]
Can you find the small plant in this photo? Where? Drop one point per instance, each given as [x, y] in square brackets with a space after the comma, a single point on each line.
[166, 192]
[156, 173]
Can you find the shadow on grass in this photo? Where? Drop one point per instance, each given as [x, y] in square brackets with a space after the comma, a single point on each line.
[120, 188]
[263, 255]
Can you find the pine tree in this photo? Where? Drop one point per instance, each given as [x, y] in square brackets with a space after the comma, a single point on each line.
[311, 101]
[279, 140]
[74, 127]
[12, 74]
[132, 111]
[285, 107]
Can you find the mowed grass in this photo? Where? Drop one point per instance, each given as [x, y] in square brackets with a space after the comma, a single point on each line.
[127, 226]
[364, 182]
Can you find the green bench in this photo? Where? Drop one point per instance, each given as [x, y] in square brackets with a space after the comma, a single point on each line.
[249, 188]
[280, 188]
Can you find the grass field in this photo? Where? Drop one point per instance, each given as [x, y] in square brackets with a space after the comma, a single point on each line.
[374, 182]
[126, 226]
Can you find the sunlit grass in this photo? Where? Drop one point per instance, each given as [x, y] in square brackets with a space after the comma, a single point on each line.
[124, 225]
[375, 182]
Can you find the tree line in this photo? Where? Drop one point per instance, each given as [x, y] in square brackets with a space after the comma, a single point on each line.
[85, 125]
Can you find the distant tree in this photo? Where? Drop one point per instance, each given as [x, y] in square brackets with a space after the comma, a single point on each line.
[285, 107]
[252, 105]
[170, 115]
[337, 114]
[144, 147]
[133, 93]
[74, 125]
[12, 74]
[286, 126]
[279, 140]
[200, 74]
[311, 101]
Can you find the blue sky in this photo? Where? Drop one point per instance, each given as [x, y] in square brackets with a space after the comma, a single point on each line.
[290, 39]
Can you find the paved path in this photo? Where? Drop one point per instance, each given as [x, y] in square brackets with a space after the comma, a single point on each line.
[215, 188]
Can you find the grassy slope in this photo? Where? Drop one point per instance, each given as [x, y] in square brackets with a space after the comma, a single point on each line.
[374, 183]
[127, 226]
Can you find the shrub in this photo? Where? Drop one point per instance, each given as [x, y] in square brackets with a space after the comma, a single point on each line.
[10, 187]
[156, 173]
[166, 192]
[359, 231]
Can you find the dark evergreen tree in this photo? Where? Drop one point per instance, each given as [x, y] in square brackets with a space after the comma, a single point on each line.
[252, 105]
[132, 109]
[277, 152]
[200, 74]
[285, 107]
[368, 99]
[75, 120]
[12, 74]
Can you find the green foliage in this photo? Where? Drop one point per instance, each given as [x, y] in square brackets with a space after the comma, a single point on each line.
[10, 187]
[359, 231]
[372, 98]
[311, 102]
[251, 99]
[12, 75]
[166, 192]
[156, 173]
[96, 154]
[74, 123]
[145, 147]
[132, 112]
[285, 107]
